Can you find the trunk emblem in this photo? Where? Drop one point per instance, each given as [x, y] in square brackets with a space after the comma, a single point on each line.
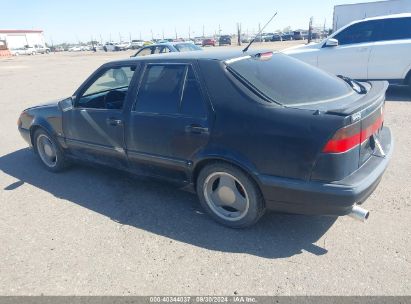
[356, 116]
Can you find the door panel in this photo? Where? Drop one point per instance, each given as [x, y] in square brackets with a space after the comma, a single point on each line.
[348, 60]
[390, 59]
[94, 126]
[169, 122]
[164, 145]
[96, 134]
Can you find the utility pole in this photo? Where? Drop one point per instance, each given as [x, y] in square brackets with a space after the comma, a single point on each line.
[239, 34]
[189, 32]
[310, 29]
[259, 30]
[101, 39]
[163, 34]
[152, 36]
[175, 31]
[129, 34]
[203, 31]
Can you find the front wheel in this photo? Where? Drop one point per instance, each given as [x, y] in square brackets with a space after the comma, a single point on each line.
[49, 152]
[229, 195]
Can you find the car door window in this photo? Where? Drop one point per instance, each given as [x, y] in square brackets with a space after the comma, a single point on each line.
[358, 33]
[108, 90]
[395, 29]
[160, 89]
[192, 103]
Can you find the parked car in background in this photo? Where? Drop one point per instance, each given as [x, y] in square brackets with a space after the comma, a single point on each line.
[246, 135]
[116, 47]
[22, 51]
[298, 35]
[209, 42]
[198, 41]
[163, 48]
[137, 44]
[224, 40]
[368, 49]
[267, 36]
[287, 36]
[276, 37]
[245, 39]
[75, 48]
[40, 49]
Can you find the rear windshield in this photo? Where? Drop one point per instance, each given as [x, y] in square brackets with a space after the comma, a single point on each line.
[288, 81]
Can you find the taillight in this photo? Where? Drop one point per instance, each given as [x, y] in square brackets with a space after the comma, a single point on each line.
[344, 139]
[353, 135]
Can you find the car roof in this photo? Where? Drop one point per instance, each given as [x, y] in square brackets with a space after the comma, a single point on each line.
[220, 55]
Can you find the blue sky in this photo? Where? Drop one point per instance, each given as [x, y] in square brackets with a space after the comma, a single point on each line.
[75, 20]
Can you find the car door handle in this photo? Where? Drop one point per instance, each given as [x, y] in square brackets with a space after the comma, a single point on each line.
[114, 122]
[196, 129]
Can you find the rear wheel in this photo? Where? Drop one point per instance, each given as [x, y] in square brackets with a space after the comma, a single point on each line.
[229, 195]
[49, 151]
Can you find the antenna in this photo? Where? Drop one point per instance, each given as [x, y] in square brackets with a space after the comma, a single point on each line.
[259, 33]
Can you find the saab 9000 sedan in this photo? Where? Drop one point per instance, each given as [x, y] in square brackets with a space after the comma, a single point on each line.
[247, 131]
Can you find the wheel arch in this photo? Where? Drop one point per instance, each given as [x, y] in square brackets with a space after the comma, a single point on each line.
[245, 167]
[40, 124]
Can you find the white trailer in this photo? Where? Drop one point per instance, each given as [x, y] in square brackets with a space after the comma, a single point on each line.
[347, 13]
[22, 38]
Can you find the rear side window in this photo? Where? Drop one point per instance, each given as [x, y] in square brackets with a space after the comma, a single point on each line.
[358, 33]
[192, 103]
[170, 89]
[160, 90]
[395, 29]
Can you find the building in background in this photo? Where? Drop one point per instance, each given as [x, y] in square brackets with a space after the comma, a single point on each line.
[347, 13]
[20, 38]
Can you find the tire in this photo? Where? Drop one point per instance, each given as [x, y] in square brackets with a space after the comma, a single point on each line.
[52, 157]
[229, 195]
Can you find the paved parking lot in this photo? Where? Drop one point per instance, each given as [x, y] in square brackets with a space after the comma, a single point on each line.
[99, 232]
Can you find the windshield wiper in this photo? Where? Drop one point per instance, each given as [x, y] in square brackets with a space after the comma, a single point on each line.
[355, 85]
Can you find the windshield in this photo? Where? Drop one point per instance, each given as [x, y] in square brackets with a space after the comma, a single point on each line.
[288, 81]
[187, 47]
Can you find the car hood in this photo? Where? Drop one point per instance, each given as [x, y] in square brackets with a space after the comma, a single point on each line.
[48, 104]
[302, 48]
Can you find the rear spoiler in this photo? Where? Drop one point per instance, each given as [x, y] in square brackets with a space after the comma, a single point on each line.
[367, 104]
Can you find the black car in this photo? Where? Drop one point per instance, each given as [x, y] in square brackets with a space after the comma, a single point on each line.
[276, 37]
[246, 131]
[224, 40]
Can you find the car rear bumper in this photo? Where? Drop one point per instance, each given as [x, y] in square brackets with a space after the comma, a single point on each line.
[333, 198]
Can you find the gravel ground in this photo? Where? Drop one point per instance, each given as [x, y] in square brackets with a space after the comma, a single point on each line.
[92, 231]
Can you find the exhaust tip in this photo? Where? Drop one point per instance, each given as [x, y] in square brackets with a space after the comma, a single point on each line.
[359, 214]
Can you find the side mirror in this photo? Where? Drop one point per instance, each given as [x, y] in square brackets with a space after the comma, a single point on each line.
[67, 104]
[331, 42]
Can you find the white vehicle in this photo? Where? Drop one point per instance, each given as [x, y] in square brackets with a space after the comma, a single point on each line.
[371, 49]
[22, 51]
[115, 47]
[75, 49]
[137, 44]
